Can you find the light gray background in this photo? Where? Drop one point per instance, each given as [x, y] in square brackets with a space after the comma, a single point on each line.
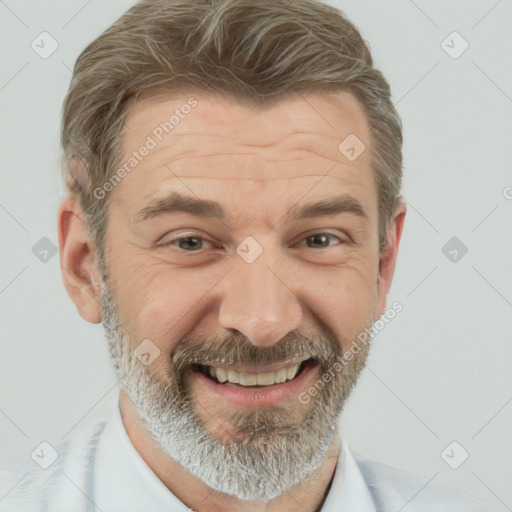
[439, 372]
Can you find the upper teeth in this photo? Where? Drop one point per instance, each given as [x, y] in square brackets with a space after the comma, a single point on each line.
[253, 379]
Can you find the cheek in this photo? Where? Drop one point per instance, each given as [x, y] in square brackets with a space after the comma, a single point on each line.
[157, 301]
[346, 300]
[349, 314]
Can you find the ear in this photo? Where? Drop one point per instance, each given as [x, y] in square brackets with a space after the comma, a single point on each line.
[79, 273]
[388, 257]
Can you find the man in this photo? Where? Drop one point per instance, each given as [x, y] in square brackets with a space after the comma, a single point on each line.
[233, 220]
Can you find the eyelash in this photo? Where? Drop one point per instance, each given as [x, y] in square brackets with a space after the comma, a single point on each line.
[201, 251]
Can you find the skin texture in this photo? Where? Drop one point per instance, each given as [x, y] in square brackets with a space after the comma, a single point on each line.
[258, 164]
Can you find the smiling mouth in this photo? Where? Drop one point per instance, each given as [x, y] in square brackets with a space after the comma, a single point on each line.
[254, 378]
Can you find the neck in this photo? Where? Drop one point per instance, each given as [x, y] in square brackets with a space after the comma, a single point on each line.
[308, 495]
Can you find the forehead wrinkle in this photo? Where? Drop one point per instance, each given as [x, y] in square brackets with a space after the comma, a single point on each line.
[264, 167]
[193, 143]
[283, 137]
[319, 149]
[158, 153]
[323, 168]
[255, 179]
[188, 145]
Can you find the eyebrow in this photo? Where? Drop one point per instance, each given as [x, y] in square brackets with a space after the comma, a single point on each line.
[176, 202]
[330, 206]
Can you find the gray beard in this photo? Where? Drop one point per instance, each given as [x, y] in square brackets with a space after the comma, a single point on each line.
[278, 450]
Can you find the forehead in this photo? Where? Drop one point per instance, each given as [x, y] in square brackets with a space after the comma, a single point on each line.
[212, 143]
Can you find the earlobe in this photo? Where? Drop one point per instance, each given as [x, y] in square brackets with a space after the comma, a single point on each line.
[388, 257]
[79, 273]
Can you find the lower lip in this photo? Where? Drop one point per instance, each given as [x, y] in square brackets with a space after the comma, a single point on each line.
[253, 397]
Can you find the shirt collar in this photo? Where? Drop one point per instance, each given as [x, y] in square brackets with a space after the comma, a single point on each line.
[348, 489]
[124, 481]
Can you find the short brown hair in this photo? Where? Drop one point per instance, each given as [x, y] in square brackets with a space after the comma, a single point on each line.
[253, 52]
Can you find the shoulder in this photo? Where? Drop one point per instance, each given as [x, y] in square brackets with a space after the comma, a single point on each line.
[393, 488]
[29, 486]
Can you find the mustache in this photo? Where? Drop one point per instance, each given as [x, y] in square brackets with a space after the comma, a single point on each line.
[194, 349]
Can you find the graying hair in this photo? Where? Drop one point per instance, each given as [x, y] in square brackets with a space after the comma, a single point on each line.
[254, 53]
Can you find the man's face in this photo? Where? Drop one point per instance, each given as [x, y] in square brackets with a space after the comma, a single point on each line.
[258, 293]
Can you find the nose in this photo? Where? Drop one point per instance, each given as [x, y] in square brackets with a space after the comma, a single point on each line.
[258, 301]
